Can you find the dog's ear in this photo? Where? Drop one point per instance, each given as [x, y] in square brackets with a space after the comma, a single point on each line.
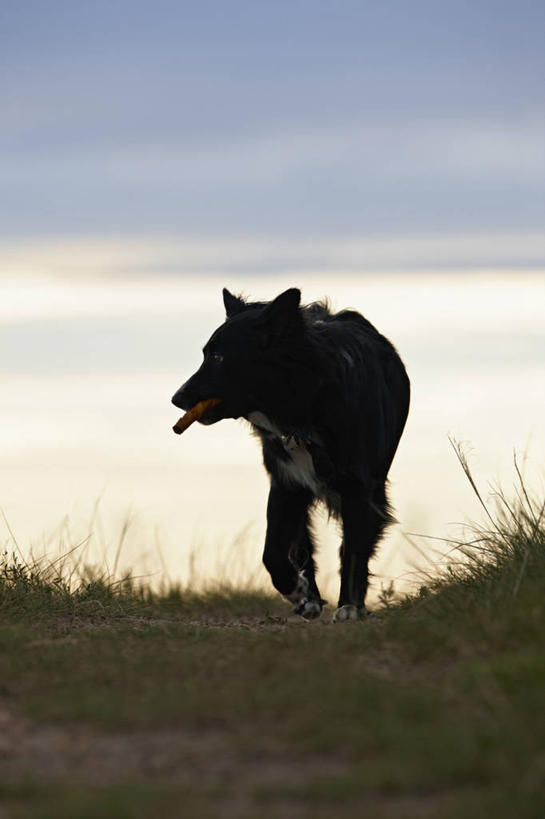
[287, 303]
[282, 314]
[233, 304]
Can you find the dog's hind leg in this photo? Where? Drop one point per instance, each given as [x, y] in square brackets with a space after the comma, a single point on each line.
[365, 515]
[288, 549]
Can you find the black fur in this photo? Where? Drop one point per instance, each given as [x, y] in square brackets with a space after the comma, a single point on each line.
[328, 396]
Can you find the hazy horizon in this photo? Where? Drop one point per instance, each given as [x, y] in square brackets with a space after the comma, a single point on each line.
[86, 412]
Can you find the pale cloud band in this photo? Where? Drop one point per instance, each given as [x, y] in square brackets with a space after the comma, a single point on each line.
[127, 256]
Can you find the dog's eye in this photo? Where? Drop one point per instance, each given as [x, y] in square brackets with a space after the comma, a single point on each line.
[217, 357]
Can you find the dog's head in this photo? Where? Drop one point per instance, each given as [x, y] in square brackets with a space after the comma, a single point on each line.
[243, 359]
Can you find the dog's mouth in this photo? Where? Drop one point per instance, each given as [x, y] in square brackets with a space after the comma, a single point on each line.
[202, 411]
[213, 413]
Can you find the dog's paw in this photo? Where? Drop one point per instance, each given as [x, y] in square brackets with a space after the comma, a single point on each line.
[348, 612]
[300, 593]
[309, 609]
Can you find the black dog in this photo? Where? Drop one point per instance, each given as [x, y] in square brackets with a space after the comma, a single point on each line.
[328, 396]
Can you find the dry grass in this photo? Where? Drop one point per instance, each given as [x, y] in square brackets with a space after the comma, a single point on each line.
[121, 701]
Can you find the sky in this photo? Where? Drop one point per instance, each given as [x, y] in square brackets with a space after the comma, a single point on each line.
[152, 152]
[338, 121]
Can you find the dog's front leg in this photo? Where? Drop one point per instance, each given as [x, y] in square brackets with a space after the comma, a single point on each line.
[288, 549]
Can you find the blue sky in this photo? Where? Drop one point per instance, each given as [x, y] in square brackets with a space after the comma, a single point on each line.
[293, 119]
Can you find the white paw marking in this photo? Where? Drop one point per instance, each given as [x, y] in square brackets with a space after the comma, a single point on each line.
[348, 612]
[300, 591]
[311, 610]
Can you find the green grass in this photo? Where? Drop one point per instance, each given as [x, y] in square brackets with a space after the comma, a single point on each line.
[116, 701]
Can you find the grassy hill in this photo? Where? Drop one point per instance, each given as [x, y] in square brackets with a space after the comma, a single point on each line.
[117, 702]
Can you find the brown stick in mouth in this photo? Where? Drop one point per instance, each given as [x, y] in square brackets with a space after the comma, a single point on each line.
[194, 414]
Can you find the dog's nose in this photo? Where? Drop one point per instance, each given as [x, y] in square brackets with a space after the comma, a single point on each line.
[179, 399]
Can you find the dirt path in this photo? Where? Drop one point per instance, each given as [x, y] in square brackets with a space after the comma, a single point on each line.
[82, 753]
[79, 755]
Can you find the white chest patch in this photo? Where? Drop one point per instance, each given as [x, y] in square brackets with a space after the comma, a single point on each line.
[263, 422]
[299, 469]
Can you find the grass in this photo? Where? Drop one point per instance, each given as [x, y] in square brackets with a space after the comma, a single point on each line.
[120, 701]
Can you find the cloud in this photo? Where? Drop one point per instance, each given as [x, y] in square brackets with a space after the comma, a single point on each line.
[88, 259]
[431, 175]
[282, 118]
